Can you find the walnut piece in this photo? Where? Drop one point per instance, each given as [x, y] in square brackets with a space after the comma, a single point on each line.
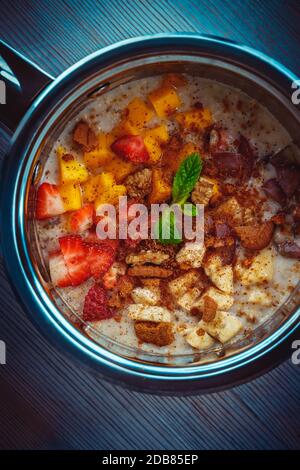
[149, 271]
[139, 184]
[202, 192]
[154, 257]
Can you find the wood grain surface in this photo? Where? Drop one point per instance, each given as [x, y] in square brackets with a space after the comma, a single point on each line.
[48, 401]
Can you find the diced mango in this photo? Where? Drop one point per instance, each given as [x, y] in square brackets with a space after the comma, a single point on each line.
[95, 185]
[119, 168]
[161, 188]
[175, 80]
[71, 170]
[195, 119]
[186, 150]
[165, 101]
[153, 138]
[71, 196]
[111, 195]
[138, 114]
[125, 127]
[97, 157]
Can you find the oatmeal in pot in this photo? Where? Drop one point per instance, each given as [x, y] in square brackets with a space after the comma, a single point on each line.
[182, 140]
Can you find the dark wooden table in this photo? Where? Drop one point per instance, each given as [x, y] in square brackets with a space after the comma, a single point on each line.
[46, 400]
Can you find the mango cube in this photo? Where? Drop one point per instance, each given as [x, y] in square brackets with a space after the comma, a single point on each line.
[125, 127]
[138, 114]
[195, 119]
[71, 196]
[71, 170]
[153, 138]
[119, 167]
[97, 157]
[111, 195]
[161, 188]
[165, 101]
[97, 184]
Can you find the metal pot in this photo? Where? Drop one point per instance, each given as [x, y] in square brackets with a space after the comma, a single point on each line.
[36, 110]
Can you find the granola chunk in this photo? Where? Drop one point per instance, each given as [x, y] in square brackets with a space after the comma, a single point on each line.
[154, 257]
[139, 184]
[149, 271]
[160, 334]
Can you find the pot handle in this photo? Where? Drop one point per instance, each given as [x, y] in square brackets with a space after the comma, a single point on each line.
[20, 82]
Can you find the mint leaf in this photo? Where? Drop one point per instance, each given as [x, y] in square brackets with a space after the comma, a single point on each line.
[166, 230]
[190, 210]
[186, 178]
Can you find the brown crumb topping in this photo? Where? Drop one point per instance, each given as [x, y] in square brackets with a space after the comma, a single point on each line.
[160, 334]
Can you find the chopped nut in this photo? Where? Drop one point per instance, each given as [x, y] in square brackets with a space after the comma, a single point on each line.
[153, 257]
[203, 191]
[230, 211]
[149, 271]
[139, 184]
[160, 334]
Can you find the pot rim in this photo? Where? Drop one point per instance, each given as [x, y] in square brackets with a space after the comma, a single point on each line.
[19, 265]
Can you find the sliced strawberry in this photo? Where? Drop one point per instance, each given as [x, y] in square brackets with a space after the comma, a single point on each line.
[49, 202]
[92, 238]
[100, 258]
[132, 148]
[82, 219]
[95, 305]
[75, 256]
[58, 270]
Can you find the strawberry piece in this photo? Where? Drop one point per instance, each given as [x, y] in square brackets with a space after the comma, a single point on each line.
[92, 238]
[132, 148]
[82, 219]
[100, 257]
[95, 305]
[49, 202]
[58, 270]
[75, 256]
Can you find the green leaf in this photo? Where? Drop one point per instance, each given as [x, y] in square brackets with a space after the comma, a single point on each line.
[166, 230]
[186, 178]
[190, 210]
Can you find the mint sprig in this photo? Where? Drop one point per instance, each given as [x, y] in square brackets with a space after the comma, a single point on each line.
[185, 179]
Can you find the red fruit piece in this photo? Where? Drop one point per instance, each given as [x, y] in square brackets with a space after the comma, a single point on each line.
[132, 148]
[75, 256]
[92, 238]
[95, 305]
[99, 257]
[49, 202]
[82, 219]
[58, 270]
